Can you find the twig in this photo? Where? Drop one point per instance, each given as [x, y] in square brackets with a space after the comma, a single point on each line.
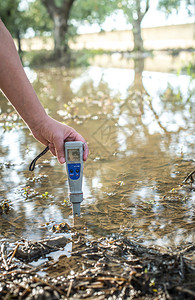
[13, 254]
[15, 272]
[4, 256]
[182, 266]
[36, 279]
[189, 176]
[187, 291]
[187, 249]
[168, 296]
[69, 288]
[25, 292]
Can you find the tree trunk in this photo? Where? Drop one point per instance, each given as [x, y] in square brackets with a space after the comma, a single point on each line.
[60, 31]
[137, 37]
[18, 41]
[138, 68]
[138, 41]
[60, 16]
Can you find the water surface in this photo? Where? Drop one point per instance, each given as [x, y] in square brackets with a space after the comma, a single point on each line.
[140, 128]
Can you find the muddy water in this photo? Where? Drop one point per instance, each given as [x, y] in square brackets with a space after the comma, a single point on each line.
[140, 130]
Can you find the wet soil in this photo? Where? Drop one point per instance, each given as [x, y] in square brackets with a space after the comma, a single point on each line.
[100, 269]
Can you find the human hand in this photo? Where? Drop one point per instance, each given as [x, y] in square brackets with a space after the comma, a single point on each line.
[18, 89]
[53, 134]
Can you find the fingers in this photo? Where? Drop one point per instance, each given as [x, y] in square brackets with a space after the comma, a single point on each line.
[59, 146]
[86, 151]
[59, 150]
[57, 134]
[79, 137]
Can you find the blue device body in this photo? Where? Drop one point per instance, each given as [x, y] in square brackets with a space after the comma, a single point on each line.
[74, 170]
[74, 167]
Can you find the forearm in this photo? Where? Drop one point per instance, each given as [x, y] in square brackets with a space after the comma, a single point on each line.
[15, 84]
[17, 88]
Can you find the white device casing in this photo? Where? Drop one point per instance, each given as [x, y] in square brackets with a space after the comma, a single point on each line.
[74, 164]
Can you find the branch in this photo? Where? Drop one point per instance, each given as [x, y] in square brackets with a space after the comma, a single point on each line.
[147, 6]
[67, 7]
[146, 10]
[50, 6]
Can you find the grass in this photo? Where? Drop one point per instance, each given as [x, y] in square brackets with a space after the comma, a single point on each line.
[37, 58]
[81, 58]
[46, 58]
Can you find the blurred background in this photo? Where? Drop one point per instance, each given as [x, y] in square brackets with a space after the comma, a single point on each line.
[122, 74]
[119, 26]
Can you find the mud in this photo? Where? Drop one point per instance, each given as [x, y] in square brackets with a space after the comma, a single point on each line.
[101, 269]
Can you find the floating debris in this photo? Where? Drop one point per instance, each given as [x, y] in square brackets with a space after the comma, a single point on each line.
[4, 207]
[189, 177]
[29, 251]
[59, 228]
[101, 269]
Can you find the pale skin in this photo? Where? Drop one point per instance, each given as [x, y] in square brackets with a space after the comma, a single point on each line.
[19, 91]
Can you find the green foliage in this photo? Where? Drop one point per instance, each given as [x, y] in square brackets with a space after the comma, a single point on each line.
[168, 7]
[134, 10]
[45, 195]
[26, 191]
[46, 58]
[97, 11]
[190, 69]
[81, 58]
[13, 17]
[87, 11]
[21, 15]
[38, 58]
[40, 20]
[19, 18]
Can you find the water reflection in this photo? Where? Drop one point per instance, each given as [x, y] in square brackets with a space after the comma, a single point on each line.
[140, 129]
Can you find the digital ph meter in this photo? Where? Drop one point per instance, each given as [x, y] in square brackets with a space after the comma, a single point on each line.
[74, 167]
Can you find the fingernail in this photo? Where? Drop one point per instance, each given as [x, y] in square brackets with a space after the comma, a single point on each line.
[62, 160]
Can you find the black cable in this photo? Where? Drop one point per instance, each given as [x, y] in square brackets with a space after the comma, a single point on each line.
[32, 165]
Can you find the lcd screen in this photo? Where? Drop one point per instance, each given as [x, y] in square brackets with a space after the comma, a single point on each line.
[73, 155]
